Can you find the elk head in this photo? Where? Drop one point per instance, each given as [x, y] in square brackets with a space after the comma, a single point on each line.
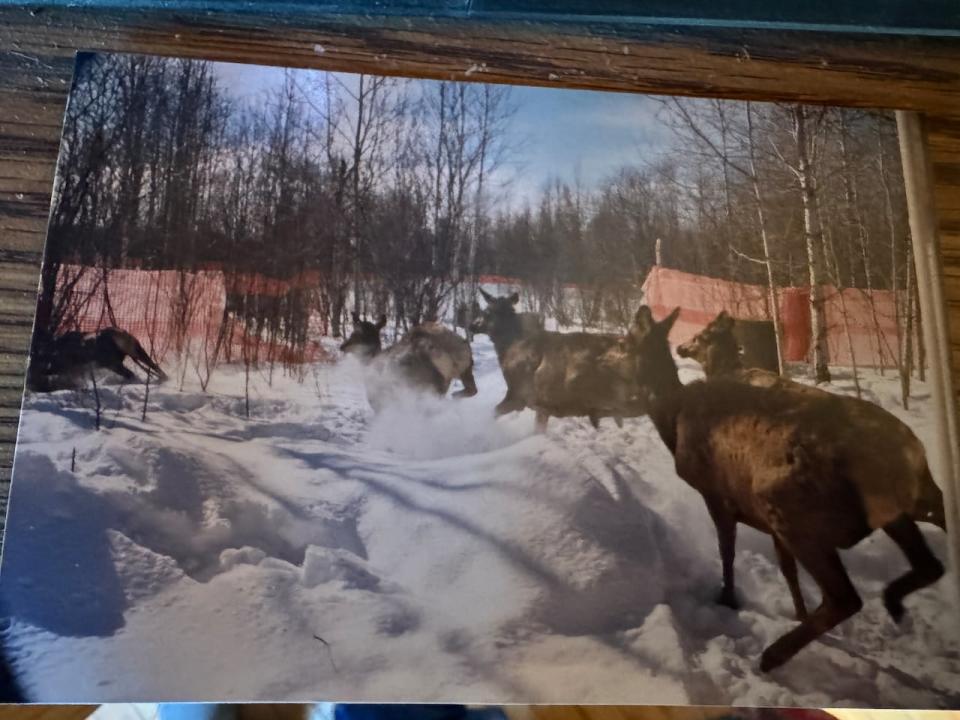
[647, 343]
[499, 315]
[715, 347]
[364, 341]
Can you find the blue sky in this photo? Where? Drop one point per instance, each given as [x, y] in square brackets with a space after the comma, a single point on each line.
[562, 133]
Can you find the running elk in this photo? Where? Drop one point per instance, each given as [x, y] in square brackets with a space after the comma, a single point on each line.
[60, 360]
[558, 374]
[814, 471]
[715, 347]
[429, 357]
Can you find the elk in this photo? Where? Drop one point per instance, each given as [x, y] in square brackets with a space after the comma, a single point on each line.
[718, 349]
[429, 357]
[715, 348]
[73, 352]
[558, 374]
[814, 471]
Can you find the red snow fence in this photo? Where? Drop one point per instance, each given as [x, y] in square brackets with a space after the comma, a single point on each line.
[173, 311]
[870, 315]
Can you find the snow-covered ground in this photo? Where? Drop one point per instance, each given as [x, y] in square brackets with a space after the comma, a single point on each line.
[431, 553]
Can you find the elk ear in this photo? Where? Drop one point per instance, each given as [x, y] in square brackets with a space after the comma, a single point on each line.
[486, 296]
[667, 323]
[356, 318]
[514, 299]
[381, 322]
[643, 319]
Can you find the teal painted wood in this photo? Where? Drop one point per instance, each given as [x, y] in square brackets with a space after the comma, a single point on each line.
[924, 16]
[915, 17]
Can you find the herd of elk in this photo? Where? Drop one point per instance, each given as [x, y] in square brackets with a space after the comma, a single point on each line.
[819, 472]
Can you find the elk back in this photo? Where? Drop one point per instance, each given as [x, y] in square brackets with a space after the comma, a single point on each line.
[586, 374]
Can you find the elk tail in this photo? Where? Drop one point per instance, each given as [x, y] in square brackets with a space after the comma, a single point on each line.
[929, 507]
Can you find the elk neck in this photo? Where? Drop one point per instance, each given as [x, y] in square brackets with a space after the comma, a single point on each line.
[665, 398]
[507, 333]
[723, 359]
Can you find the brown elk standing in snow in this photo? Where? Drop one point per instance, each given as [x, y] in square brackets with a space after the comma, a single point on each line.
[73, 353]
[559, 374]
[429, 357]
[816, 472]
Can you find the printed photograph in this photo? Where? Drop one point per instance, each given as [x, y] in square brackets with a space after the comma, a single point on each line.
[356, 388]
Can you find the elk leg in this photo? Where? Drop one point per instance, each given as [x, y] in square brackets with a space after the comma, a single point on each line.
[925, 568]
[788, 566]
[146, 368]
[618, 420]
[840, 601]
[595, 421]
[469, 384]
[727, 539]
[541, 422]
[122, 370]
[141, 358]
[508, 404]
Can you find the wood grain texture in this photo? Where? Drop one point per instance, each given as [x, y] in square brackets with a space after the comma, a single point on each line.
[943, 136]
[897, 71]
[36, 60]
[46, 712]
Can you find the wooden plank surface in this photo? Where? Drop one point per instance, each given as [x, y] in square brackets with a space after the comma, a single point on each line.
[36, 61]
[45, 712]
[896, 71]
[943, 135]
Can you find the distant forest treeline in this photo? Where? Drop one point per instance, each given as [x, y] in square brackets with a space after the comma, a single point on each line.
[393, 189]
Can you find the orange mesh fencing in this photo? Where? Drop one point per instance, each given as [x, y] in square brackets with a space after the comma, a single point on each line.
[861, 324]
[173, 311]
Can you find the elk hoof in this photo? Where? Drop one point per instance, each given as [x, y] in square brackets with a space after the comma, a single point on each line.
[894, 606]
[727, 598]
[464, 393]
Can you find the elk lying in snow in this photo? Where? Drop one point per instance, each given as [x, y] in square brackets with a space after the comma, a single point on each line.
[815, 471]
[429, 357]
[559, 374]
[60, 360]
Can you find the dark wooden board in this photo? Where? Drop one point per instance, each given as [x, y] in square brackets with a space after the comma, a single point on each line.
[863, 69]
[934, 17]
